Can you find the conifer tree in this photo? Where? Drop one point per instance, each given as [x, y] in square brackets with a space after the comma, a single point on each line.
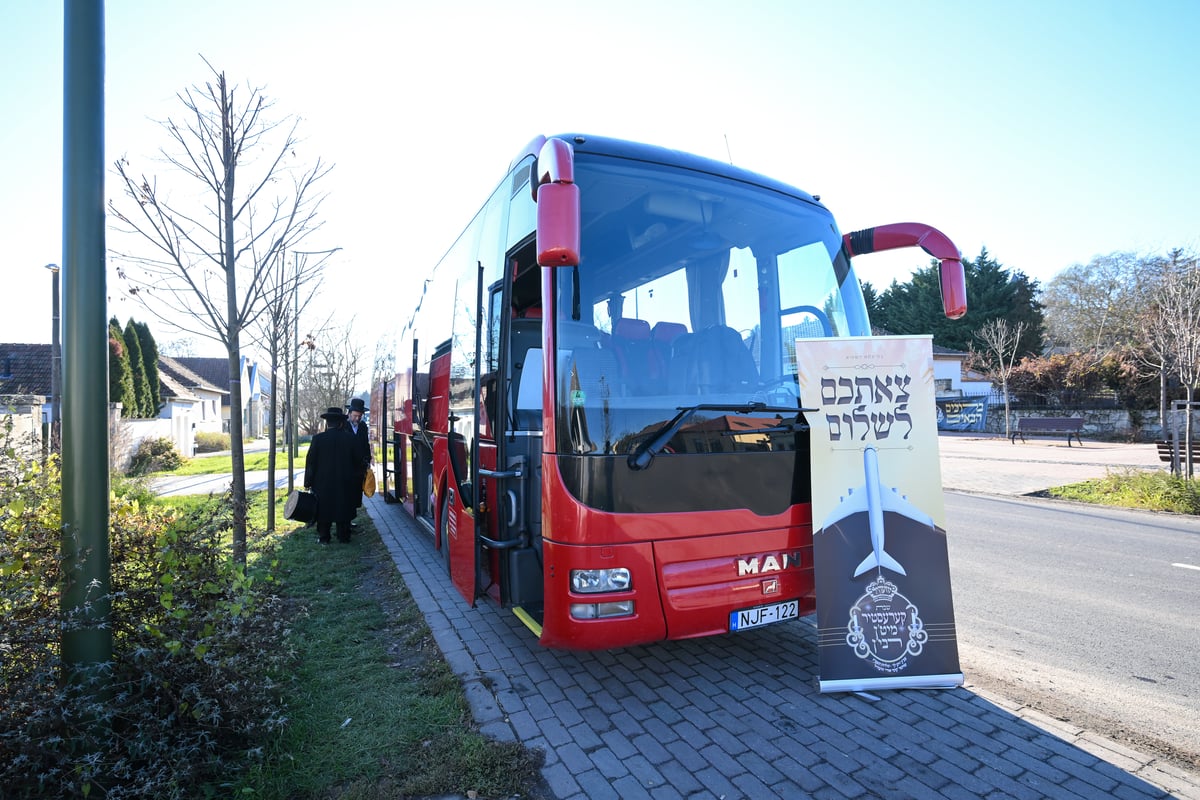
[120, 379]
[993, 292]
[137, 370]
[150, 364]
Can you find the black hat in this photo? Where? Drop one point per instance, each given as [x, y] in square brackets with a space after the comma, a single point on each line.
[358, 404]
[333, 413]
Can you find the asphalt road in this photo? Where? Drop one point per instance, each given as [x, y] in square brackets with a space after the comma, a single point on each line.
[1086, 613]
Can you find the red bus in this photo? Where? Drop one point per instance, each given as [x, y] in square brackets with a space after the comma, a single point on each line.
[596, 414]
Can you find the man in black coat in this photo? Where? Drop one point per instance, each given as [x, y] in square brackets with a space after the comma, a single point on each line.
[331, 471]
[363, 439]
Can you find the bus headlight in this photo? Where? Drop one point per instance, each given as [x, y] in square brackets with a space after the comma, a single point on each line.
[623, 608]
[588, 581]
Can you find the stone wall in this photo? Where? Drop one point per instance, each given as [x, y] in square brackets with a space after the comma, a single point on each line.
[1098, 423]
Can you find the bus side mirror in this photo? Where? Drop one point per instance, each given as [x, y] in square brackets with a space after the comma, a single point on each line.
[953, 280]
[557, 197]
[952, 277]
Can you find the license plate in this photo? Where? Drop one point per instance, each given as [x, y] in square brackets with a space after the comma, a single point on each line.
[763, 615]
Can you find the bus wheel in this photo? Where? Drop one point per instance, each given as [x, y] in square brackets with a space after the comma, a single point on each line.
[444, 516]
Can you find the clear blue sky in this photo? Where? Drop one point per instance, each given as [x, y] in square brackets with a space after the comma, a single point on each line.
[1048, 131]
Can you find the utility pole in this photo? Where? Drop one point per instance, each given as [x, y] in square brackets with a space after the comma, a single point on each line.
[294, 446]
[86, 596]
[55, 364]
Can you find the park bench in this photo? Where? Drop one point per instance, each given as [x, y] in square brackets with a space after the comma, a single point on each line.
[1166, 450]
[1047, 426]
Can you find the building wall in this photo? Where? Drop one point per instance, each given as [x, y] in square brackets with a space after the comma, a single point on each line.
[25, 413]
[949, 372]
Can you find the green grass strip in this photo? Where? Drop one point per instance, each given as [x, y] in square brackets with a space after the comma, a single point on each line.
[375, 710]
[1153, 491]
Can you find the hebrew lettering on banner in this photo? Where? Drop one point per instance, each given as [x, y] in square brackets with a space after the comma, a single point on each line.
[885, 617]
[967, 414]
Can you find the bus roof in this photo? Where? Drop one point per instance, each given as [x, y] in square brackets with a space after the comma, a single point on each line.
[636, 151]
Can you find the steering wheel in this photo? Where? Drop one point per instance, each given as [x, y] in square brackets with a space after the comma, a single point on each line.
[780, 390]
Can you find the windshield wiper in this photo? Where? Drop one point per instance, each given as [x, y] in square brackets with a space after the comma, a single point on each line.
[793, 427]
[647, 450]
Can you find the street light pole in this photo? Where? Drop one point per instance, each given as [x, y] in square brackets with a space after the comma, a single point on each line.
[55, 363]
[293, 428]
[294, 449]
[296, 358]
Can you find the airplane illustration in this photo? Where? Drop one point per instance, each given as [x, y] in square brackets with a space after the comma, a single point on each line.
[874, 502]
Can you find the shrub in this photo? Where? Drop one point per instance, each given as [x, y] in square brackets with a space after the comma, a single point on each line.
[132, 488]
[155, 455]
[207, 442]
[196, 647]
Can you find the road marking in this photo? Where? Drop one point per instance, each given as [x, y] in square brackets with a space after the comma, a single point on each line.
[1187, 566]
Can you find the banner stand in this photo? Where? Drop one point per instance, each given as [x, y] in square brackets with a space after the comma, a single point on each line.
[885, 616]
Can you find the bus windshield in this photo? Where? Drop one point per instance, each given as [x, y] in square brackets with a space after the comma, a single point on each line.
[691, 291]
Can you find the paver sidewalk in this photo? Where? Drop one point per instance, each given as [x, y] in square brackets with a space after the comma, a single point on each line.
[991, 464]
[740, 716]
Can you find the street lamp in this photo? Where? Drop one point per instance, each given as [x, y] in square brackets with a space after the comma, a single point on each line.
[55, 362]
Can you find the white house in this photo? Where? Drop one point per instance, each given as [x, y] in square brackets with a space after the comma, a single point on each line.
[952, 379]
[256, 390]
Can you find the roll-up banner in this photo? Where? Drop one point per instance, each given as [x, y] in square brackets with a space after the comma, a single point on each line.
[885, 616]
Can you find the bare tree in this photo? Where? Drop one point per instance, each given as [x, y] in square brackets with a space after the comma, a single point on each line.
[174, 348]
[1172, 331]
[1001, 342]
[384, 367]
[331, 375]
[1094, 308]
[290, 288]
[1098, 308]
[212, 250]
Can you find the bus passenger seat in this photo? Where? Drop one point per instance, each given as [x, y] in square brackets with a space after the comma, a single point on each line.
[635, 355]
[713, 360]
[662, 342]
[665, 333]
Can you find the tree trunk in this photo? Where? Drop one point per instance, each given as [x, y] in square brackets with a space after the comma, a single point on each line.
[236, 437]
[1163, 403]
[237, 451]
[271, 439]
[1007, 413]
[1188, 449]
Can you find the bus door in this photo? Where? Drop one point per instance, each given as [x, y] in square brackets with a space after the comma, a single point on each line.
[425, 409]
[391, 483]
[462, 522]
[514, 497]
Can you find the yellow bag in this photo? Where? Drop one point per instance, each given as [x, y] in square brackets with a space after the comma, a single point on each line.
[369, 483]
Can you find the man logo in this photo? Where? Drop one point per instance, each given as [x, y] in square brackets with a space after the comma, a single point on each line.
[771, 586]
[775, 562]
